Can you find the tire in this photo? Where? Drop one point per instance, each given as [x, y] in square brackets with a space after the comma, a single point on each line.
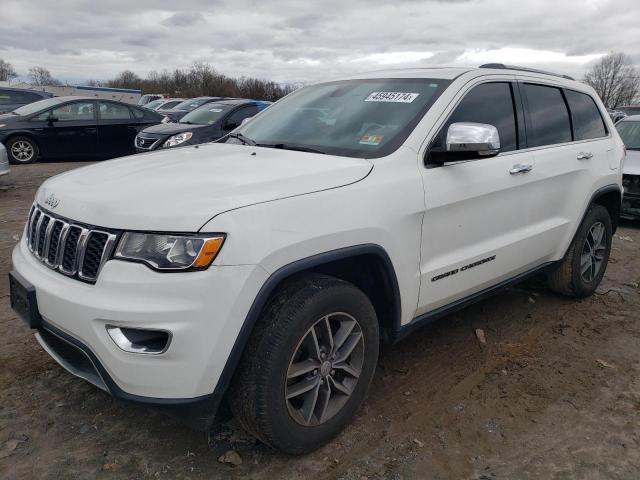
[22, 150]
[264, 394]
[579, 273]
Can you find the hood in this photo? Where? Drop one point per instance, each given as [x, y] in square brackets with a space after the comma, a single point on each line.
[632, 163]
[171, 128]
[179, 190]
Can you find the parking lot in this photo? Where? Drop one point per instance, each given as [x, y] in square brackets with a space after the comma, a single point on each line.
[554, 393]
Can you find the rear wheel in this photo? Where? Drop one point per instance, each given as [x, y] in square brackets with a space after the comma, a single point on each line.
[584, 265]
[308, 365]
[22, 150]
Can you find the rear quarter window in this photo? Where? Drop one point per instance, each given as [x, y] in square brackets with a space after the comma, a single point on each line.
[587, 121]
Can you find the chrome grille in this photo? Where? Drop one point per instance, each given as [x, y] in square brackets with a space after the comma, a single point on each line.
[146, 143]
[72, 249]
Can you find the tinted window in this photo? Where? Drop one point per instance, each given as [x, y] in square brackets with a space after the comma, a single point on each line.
[587, 122]
[37, 106]
[548, 116]
[12, 96]
[139, 114]
[73, 112]
[113, 111]
[490, 103]
[238, 116]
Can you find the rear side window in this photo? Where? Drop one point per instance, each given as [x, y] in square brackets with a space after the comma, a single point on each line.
[137, 113]
[490, 103]
[587, 121]
[113, 111]
[548, 117]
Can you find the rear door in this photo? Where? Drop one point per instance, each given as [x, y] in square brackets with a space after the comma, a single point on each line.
[69, 130]
[569, 141]
[117, 129]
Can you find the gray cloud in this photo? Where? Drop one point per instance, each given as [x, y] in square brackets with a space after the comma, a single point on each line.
[288, 40]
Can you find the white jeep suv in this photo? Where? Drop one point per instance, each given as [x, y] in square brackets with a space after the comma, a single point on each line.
[261, 272]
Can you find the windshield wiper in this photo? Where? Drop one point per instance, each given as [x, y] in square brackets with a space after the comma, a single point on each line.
[242, 138]
[297, 148]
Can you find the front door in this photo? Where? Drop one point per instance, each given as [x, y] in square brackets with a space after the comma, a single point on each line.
[70, 131]
[482, 217]
[117, 129]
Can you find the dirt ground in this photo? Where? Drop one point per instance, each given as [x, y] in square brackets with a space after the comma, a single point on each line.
[554, 394]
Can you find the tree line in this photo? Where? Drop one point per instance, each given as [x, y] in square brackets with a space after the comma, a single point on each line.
[201, 79]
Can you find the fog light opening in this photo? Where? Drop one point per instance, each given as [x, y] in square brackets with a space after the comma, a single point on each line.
[138, 340]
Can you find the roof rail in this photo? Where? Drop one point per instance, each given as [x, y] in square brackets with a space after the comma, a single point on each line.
[502, 66]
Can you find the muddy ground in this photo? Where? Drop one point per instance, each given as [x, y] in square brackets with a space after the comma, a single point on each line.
[554, 394]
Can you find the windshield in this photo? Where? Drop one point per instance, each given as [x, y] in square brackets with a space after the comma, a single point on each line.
[358, 118]
[37, 106]
[192, 104]
[630, 133]
[154, 104]
[207, 114]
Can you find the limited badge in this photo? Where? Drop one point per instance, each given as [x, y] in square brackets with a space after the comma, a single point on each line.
[369, 139]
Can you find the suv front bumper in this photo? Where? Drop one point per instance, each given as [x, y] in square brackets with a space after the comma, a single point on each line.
[204, 312]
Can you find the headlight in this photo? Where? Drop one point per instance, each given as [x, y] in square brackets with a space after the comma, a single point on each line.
[170, 252]
[178, 139]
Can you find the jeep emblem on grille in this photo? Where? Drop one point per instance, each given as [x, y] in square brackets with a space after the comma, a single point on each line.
[52, 201]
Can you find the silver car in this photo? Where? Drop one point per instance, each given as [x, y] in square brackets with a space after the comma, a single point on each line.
[629, 129]
[4, 161]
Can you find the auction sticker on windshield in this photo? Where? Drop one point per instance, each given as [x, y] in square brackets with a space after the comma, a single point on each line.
[396, 97]
[369, 139]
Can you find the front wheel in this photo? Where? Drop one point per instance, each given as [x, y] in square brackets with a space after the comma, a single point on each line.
[308, 365]
[22, 150]
[581, 270]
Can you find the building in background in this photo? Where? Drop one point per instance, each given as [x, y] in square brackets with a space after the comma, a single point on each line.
[120, 94]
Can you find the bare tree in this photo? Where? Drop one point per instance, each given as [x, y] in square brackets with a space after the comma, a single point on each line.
[126, 79]
[615, 79]
[6, 71]
[40, 76]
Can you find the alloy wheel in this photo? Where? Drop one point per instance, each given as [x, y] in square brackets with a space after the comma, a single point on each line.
[325, 368]
[593, 251]
[22, 151]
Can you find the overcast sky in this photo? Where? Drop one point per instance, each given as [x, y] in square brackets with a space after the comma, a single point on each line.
[291, 41]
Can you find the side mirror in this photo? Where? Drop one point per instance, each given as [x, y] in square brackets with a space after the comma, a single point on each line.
[51, 120]
[467, 140]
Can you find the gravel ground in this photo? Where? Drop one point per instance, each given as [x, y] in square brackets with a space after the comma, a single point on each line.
[553, 394]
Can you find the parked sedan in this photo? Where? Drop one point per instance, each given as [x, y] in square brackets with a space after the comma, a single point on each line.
[629, 129]
[72, 127]
[163, 104]
[187, 106]
[205, 124]
[12, 98]
[4, 161]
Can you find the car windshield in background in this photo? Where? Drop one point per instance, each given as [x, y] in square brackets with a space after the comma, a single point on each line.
[189, 105]
[154, 104]
[357, 118]
[207, 114]
[630, 133]
[37, 106]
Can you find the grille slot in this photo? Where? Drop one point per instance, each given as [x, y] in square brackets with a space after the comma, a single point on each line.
[75, 250]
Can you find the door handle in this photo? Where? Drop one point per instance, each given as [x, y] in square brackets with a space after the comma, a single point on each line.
[518, 169]
[131, 127]
[584, 155]
[91, 130]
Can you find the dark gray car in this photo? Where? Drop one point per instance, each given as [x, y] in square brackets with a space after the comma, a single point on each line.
[12, 98]
[4, 161]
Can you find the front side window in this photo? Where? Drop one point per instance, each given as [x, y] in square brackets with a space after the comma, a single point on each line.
[587, 121]
[489, 103]
[547, 114]
[113, 111]
[365, 118]
[630, 133]
[74, 112]
[236, 118]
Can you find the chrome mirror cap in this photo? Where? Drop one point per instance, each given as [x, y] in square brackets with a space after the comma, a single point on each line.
[480, 138]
